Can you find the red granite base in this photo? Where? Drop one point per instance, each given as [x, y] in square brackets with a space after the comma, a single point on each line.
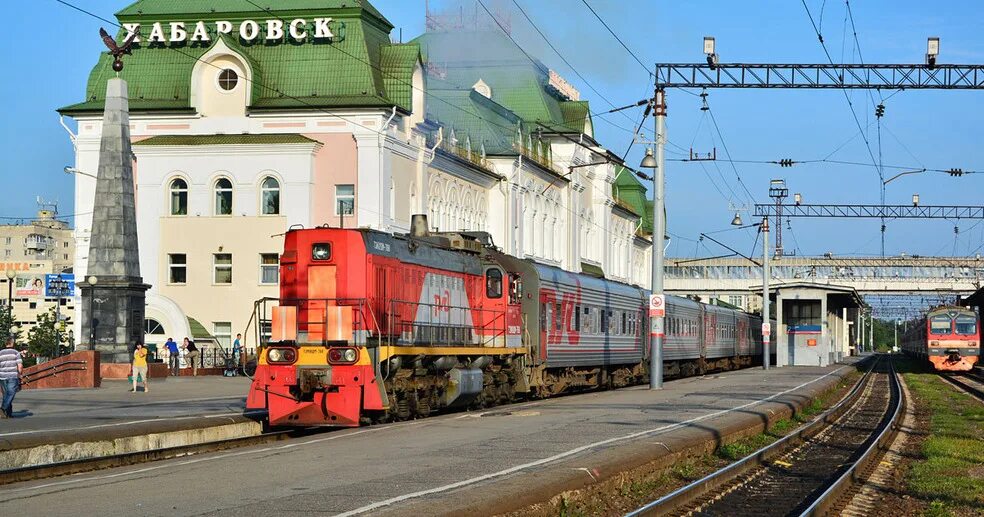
[76, 370]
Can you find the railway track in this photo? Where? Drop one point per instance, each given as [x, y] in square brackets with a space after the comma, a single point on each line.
[809, 472]
[133, 458]
[970, 382]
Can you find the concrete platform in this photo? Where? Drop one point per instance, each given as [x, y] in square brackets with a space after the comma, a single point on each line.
[68, 424]
[452, 464]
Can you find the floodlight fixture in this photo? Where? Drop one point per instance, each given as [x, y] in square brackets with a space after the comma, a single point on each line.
[710, 51]
[932, 51]
[798, 198]
[737, 220]
[915, 200]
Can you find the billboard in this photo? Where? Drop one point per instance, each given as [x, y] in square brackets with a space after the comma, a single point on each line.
[59, 286]
[29, 285]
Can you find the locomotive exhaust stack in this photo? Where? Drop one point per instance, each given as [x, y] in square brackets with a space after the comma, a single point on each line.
[418, 226]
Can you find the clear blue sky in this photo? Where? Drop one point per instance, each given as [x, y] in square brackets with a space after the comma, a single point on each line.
[49, 50]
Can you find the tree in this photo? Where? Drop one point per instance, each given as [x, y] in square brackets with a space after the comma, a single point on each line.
[46, 340]
[7, 324]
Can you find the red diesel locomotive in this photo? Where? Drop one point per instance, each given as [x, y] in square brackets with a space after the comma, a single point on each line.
[948, 337]
[373, 327]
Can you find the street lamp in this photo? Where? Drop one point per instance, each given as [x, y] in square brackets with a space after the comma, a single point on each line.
[737, 220]
[72, 170]
[649, 162]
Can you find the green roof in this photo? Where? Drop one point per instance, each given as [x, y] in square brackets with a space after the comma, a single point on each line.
[473, 116]
[576, 115]
[270, 139]
[518, 84]
[361, 68]
[198, 331]
[631, 194]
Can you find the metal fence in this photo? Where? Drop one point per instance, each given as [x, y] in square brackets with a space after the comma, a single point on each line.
[209, 357]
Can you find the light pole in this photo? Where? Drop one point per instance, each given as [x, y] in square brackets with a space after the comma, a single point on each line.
[659, 232]
[766, 273]
[92, 280]
[896, 347]
[11, 275]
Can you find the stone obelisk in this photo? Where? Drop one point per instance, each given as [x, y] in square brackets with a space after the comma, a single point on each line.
[113, 293]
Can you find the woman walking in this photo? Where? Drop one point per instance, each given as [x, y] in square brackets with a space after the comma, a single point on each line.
[140, 366]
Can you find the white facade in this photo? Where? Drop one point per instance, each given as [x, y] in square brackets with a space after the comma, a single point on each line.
[562, 217]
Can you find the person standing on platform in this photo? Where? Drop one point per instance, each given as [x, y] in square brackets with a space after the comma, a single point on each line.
[11, 366]
[173, 356]
[191, 354]
[237, 350]
[140, 366]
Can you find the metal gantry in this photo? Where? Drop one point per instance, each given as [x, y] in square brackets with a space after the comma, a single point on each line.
[874, 211]
[839, 76]
[805, 76]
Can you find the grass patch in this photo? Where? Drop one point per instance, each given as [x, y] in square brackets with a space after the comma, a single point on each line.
[739, 449]
[950, 474]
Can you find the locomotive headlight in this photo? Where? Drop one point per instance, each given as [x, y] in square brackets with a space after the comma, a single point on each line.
[350, 355]
[281, 355]
[343, 355]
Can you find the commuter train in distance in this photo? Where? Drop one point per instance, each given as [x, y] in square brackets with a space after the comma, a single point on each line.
[948, 337]
[372, 327]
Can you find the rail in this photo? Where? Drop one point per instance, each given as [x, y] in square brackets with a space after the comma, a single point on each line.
[858, 471]
[702, 487]
[969, 382]
[53, 370]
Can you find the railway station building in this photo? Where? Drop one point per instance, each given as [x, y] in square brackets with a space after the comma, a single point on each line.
[248, 121]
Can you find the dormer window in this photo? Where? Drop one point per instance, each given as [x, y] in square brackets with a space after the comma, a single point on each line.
[483, 89]
[228, 80]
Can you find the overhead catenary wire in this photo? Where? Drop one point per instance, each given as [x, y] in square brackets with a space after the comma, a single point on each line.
[617, 38]
[727, 152]
[566, 61]
[847, 97]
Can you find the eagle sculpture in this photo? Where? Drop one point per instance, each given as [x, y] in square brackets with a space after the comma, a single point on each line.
[117, 51]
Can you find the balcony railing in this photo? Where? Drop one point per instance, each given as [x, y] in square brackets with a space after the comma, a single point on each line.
[543, 159]
[465, 153]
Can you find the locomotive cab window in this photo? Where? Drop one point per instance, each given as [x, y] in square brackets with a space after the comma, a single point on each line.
[321, 251]
[966, 325]
[940, 324]
[493, 283]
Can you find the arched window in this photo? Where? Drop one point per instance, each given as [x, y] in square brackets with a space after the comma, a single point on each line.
[270, 196]
[179, 197]
[223, 197]
[153, 327]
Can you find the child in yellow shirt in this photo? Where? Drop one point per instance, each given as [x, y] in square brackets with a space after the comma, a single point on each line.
[140, 366]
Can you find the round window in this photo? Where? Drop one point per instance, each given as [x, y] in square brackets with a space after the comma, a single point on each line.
[228, 79]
